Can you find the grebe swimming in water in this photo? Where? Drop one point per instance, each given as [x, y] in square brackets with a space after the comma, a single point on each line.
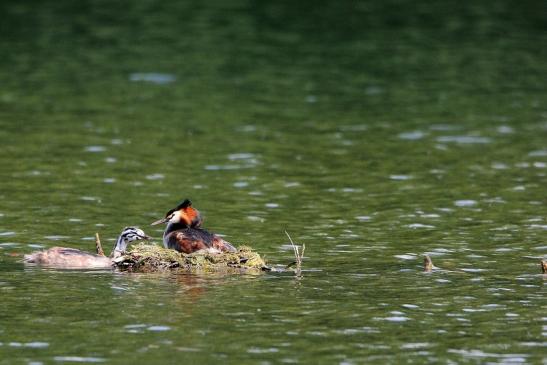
[64, 257]
[184, 232]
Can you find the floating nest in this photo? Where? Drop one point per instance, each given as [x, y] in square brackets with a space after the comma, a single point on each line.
[150, 258]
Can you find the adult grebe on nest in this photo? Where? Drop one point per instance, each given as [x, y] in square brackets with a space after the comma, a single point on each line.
[184, 232]
[71, 258]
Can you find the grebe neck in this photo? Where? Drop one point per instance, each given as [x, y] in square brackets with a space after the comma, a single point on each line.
[119, 247]
[175, 226]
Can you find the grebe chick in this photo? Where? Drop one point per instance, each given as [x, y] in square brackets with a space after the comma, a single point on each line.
[184, 233]
[71, 258]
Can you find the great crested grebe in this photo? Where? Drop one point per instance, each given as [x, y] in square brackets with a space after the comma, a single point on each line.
[184, 233]
[64, 257]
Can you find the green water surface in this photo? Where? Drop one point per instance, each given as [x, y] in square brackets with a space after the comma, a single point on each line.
[373, 132]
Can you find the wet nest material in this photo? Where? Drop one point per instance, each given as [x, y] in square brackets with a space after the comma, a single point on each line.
[153, 258]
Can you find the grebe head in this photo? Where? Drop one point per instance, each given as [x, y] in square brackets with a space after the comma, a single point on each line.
[182, 214]
[129, 234]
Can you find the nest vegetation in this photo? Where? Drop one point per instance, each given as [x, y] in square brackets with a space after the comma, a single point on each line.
[148, 258]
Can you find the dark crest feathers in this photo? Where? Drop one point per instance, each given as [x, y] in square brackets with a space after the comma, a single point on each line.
[185, 204]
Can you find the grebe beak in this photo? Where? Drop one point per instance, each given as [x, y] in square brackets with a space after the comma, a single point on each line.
[160, 221]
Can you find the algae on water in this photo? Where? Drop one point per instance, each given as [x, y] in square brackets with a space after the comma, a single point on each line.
[147, 257]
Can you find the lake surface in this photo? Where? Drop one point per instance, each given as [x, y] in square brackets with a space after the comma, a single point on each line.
[373, 132]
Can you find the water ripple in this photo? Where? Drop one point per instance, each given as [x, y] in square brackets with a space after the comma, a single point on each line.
[159, 328]
[259, 350]
[155, 177]
[79, 359]
[538, 153]
[393, 319]
[241, 156]
[412, 136]
[406, 257]
[419, 225]
[465, 203]
[153, 77]
[56, 237]
[400, 177]
[95, 149]
[464, 139]
[34, 345]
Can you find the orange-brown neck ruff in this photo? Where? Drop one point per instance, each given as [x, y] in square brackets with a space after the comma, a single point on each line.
[190, 217]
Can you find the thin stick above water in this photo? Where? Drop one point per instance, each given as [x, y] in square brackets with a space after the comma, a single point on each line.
[428, 264]
[297, 255]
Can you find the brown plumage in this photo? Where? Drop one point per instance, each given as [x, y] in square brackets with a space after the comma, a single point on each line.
[71, 258]
[189, 240]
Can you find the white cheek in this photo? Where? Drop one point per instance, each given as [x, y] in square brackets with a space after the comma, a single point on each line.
[175, 218]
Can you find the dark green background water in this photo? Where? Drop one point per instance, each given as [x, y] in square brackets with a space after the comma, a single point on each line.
[373, 132]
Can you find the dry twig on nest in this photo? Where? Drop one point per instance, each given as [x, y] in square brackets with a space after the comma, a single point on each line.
[98, 246]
